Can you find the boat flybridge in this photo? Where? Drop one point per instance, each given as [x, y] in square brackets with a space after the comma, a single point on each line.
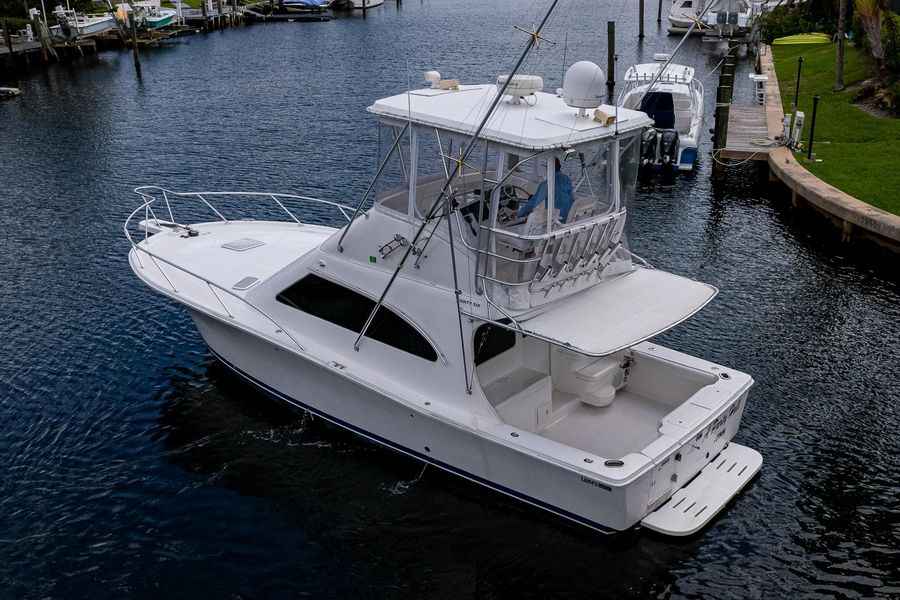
[673, 98]
[483, 314]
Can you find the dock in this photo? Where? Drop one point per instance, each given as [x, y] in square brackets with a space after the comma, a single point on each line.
[742, 132]
[747, 134]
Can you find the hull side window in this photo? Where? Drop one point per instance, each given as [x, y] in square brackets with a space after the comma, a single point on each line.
[348, 309]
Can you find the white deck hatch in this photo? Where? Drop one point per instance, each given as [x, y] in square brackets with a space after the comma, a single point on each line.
[693, 506]
[620, 313]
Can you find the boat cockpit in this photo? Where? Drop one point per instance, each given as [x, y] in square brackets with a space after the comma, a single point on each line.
[528, 219]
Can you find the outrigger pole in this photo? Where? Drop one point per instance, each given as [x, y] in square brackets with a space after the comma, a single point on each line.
[533, 40]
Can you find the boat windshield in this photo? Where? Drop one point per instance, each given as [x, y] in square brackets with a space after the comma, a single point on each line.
[508, 188]
[532, 219]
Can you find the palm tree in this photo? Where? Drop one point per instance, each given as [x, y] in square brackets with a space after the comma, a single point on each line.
[869, 12]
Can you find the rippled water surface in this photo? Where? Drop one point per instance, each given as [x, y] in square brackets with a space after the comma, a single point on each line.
[131, 462]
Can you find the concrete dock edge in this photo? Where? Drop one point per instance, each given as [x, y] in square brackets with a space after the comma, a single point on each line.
[853, 216]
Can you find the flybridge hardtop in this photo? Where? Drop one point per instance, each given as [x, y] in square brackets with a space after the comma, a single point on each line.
[542, 122]
[483, 313]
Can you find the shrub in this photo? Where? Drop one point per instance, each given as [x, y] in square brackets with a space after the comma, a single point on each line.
[890, 35]
[798, 18]
[782, 21]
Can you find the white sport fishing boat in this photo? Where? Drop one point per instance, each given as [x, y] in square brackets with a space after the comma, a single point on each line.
[451, 323]
[673, 98]
[74, 24]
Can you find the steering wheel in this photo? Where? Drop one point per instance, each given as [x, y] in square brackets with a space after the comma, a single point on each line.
[511, 197]
[513, 193]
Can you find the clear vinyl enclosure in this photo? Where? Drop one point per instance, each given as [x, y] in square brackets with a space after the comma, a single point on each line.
[530, 220]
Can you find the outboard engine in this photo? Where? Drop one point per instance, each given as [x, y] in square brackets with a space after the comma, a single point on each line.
[63, 21]
[668, 146]
[649, 140]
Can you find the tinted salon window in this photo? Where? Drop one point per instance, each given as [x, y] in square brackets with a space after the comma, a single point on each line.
[348, 309]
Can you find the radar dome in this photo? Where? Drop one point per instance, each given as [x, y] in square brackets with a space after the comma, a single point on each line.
[583, 85]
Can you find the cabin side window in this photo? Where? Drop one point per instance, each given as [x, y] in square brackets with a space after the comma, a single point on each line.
[348, 309]
[491, 340]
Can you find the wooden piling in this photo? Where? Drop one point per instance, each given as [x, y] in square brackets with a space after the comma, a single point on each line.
[132, 21]
[724, 95]
[205, 16]
[6, 37]
[7, 41]
[10, 58]
[640, 19]
[611, 53]
[721, 128]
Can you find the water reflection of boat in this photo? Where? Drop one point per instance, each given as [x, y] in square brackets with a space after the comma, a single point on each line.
[673, 98]
[468, 319]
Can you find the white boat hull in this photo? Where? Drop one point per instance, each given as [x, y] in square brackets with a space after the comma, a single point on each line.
[95, 27]
[327, 391]
[368, 3]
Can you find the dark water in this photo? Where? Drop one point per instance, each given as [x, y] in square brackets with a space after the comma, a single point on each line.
[132, 463]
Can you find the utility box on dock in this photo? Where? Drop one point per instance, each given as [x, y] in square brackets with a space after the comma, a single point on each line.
[759, 87]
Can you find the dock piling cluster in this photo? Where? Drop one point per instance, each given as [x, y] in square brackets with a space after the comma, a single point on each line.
[20, 54]
[724, 96]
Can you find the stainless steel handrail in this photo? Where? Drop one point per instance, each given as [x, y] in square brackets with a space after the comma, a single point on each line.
[146, 191]
[538, 240]
[211, 284]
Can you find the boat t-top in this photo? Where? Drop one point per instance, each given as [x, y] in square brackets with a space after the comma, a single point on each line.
[479, 310]
[673, 98]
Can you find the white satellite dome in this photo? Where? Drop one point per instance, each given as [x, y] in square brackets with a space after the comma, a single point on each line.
[520, 86]
[583, 85]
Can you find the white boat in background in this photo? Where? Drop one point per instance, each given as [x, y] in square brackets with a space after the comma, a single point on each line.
[72, 24]
[727, 17]
[303, 6]
[483, 313]
[150, 14]
[368, 3]
[673, 98]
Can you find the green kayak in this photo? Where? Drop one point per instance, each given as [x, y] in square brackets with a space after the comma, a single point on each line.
[803, 38]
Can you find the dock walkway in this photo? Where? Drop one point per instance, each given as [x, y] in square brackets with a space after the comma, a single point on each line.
[748, 134]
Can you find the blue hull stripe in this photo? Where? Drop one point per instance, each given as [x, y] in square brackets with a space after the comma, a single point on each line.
[424, 458]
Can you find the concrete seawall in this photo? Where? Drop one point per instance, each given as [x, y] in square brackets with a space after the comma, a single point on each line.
[855, 217]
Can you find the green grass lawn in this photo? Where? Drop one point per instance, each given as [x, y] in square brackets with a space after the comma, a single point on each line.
[188, 3]
[860, 153]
